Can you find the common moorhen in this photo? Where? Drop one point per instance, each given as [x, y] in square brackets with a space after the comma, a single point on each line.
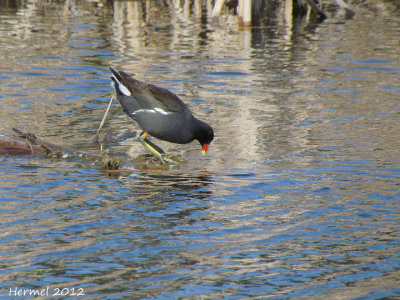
[160, 113]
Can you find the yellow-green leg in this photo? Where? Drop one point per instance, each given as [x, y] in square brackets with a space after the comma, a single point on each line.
[155, 150]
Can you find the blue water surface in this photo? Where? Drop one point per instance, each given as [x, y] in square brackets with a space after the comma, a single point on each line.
[297, 196]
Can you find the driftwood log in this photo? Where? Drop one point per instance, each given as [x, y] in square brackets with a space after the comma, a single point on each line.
[18, 143]
[21, 143]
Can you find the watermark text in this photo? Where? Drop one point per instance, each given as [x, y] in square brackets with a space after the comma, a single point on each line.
[47, 291]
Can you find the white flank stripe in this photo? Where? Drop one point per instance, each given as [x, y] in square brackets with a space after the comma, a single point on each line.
[143, 110]
[153, 111]
[161, 111]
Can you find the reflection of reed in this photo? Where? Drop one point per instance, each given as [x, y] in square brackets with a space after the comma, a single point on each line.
[12, 5]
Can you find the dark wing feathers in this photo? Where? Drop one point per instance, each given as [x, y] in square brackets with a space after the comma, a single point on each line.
[150, 96]
[174, 103]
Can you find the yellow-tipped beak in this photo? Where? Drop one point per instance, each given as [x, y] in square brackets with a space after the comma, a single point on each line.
[205, 148]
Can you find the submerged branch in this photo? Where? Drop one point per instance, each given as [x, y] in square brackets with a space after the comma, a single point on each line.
[22, 143]
[19, 143]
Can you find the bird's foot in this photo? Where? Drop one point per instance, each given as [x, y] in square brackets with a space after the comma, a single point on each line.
[159, 153]
[172, 159]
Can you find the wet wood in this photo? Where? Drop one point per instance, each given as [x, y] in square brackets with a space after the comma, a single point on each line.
[19, 143]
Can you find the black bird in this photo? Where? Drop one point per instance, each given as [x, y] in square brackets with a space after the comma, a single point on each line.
[160, 113]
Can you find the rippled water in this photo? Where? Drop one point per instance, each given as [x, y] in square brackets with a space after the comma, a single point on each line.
[298, 196]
